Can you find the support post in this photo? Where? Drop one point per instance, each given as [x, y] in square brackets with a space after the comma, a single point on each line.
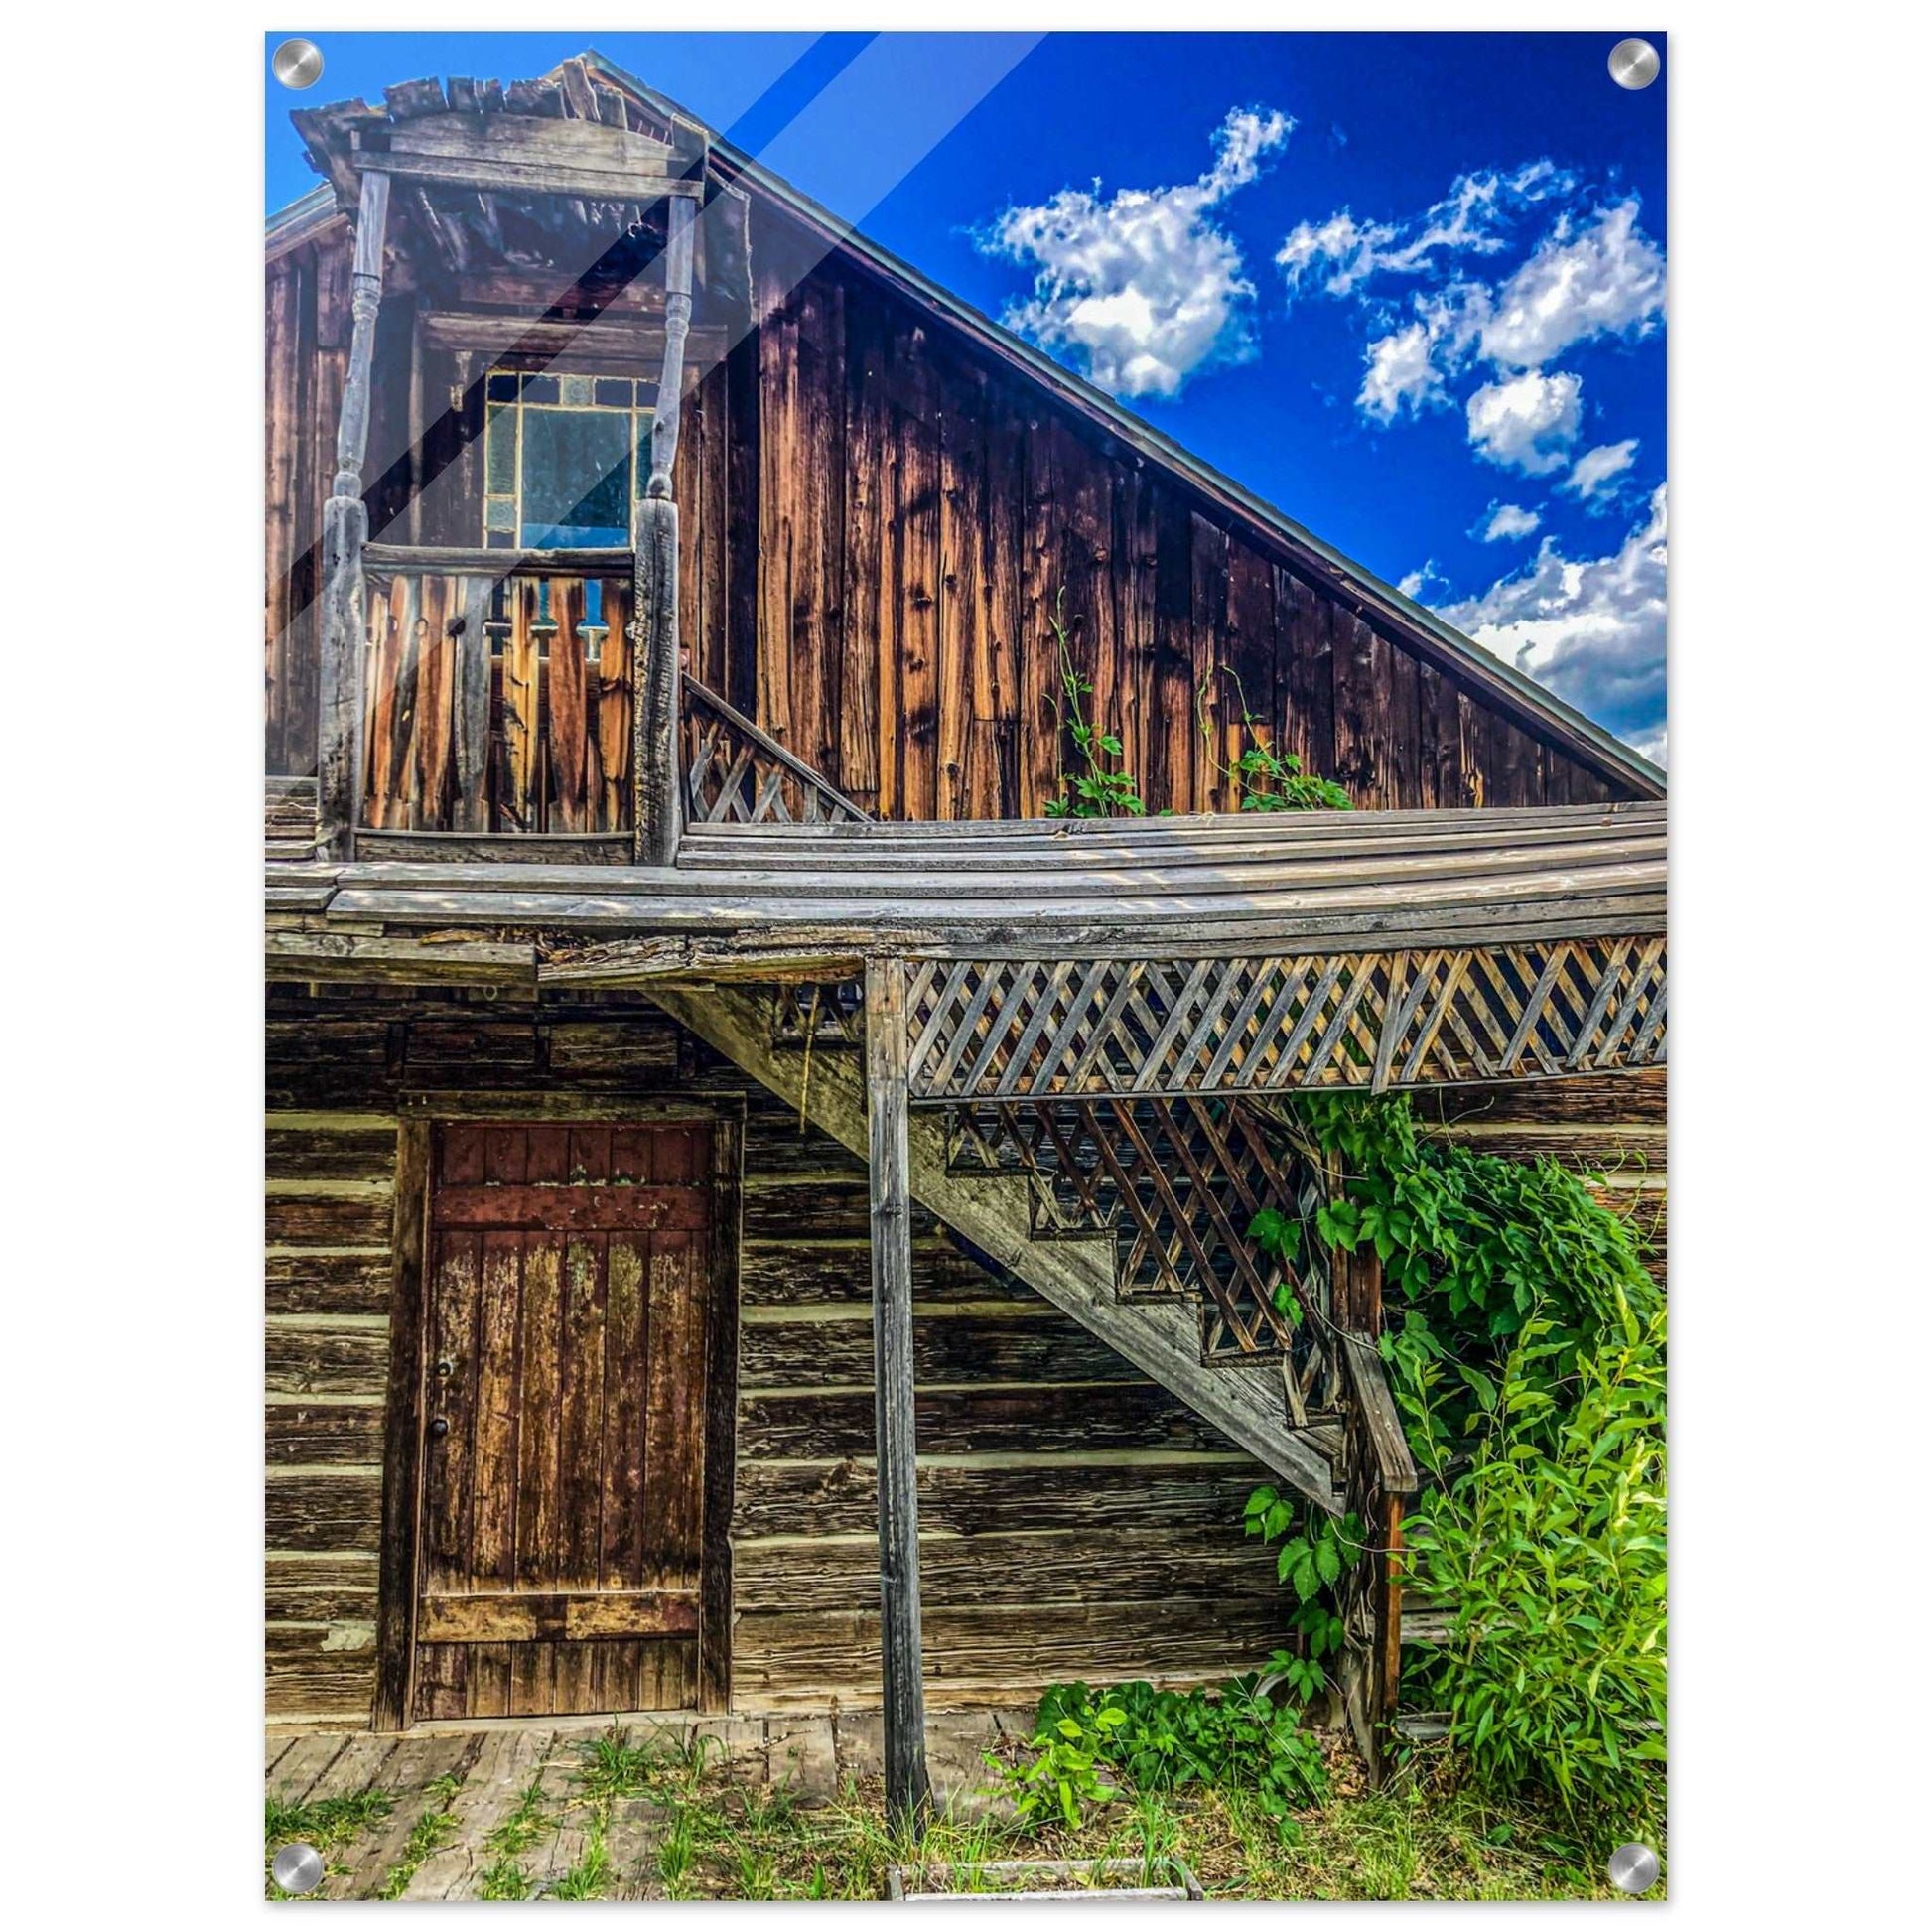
[344, 529]
[908, 1790]
[654, 649]
[1379, 1474]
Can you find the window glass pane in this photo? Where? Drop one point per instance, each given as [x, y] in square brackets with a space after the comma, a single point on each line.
[576, 477]
[540, 388]
[643, 449]
[575, 390]
[500, 463]
[613, 393]
[502, 388]
[499, 513]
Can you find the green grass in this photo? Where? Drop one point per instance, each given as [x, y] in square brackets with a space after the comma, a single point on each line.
[504, 1879]
[431, 1830]
[328, 1824]
[1425, 1836]
[524, 1825]
[589, 1877]
[1422, 1838]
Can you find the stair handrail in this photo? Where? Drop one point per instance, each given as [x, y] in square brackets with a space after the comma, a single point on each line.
[699, 697]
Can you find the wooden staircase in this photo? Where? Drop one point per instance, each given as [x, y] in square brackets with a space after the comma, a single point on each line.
[1128, 1215]
[1077, 1267]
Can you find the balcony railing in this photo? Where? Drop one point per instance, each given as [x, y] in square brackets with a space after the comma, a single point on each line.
[496, 699]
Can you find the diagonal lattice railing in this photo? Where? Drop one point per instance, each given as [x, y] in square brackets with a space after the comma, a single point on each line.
[1178, 1183]
[737, 774]
[1053, 1028]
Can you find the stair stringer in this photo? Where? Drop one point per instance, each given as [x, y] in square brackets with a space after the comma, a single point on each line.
[1160, 1338]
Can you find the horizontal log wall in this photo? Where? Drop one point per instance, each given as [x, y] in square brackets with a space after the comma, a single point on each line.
[1075, 1518]
[331, 1172]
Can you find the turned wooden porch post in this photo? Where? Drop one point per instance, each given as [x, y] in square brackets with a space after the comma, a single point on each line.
[344, 527]
[656, 674]
[908, 1791]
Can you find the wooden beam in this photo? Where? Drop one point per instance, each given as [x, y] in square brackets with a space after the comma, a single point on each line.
[535, 141]
[344, 527]
[677, 326]
[453, 560]
[590, 343]
[908, 1790]
[532, 178]
[655, 677]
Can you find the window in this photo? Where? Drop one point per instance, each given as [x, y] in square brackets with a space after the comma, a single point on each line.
[565, 458]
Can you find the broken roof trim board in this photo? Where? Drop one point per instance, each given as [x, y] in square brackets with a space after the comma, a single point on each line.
[1418, 626]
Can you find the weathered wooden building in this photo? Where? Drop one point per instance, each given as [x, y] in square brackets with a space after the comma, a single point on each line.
[725, 1146]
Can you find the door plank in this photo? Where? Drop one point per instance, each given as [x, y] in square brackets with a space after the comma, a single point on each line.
[564, 1507]
[568, 1208]
[579, 1437]
[493, 1618]
[532, 1668]
[614, 1668]
[492, 1469]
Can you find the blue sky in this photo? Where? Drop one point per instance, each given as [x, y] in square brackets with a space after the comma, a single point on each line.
[1407, 287]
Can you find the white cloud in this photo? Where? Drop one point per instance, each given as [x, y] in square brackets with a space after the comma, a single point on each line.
[1338, 255]
[1529, 422]
[1606, 278]
[1401, 374]
[1508, 520]
[1589, 276]
[1142, 288]
[1592, 629]
[1596, 470]
[1406, 367]
[1424, 583]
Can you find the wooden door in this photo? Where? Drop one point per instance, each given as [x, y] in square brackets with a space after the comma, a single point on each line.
[561, 1551]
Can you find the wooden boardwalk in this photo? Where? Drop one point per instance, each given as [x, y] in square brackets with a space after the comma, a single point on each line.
[477, 1778]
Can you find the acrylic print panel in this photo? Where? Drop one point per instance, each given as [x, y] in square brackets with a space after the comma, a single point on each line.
[966, 964]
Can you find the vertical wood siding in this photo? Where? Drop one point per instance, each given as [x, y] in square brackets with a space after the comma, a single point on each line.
[926, 511]
[877, 521]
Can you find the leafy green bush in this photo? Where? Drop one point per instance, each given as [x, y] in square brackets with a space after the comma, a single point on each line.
[1062, 1779]
[1553, 1558]
[1525, 1343]
[1470, 1245]
[1242, 1738]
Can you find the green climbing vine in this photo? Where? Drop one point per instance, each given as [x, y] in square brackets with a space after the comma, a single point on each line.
[1097, 785]
[1264, 778]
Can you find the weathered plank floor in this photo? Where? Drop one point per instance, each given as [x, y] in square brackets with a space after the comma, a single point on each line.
[521, 1784]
